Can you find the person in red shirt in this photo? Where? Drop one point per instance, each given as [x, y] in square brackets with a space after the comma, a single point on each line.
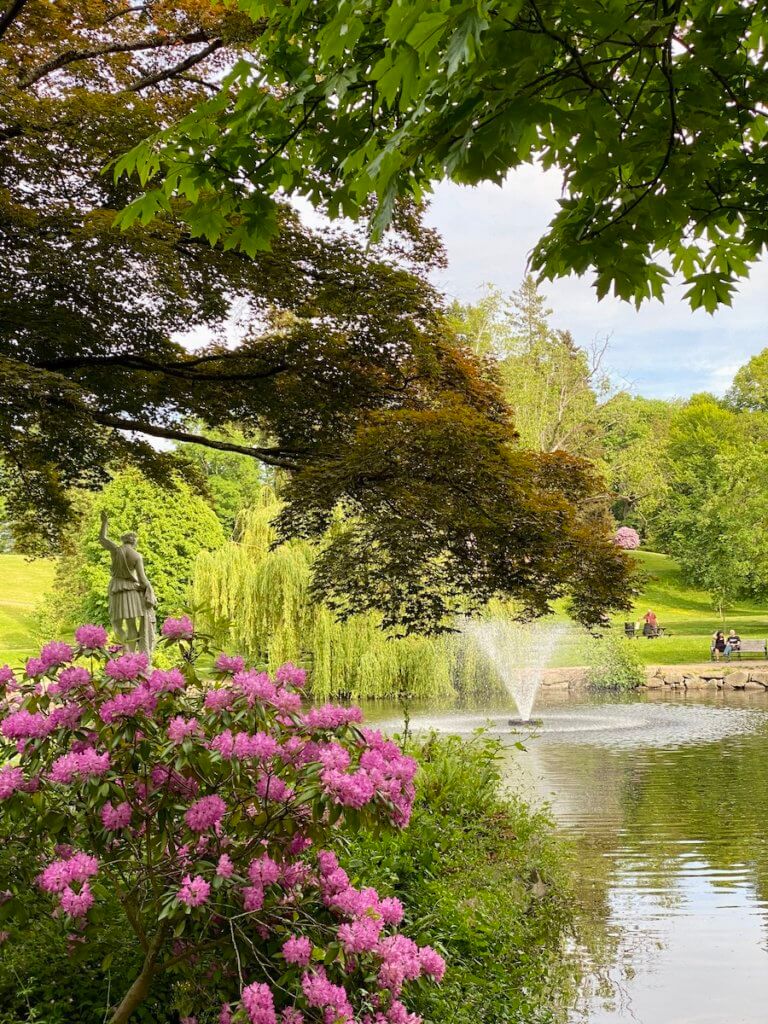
[651, 623]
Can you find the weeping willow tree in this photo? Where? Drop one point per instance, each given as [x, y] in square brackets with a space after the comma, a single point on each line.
[261, 593]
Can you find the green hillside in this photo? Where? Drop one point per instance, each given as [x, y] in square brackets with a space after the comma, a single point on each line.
[688, 614]
[23, 584]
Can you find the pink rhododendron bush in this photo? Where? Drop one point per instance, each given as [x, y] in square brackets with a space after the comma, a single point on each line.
[209, 812]
[626, 537]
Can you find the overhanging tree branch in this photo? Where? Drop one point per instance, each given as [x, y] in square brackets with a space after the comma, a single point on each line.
[177, 69]
[74, 56]
[269, 456]
[9, 15]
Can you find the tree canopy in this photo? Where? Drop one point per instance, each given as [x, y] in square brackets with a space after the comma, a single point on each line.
[344, 371]
[655, 113]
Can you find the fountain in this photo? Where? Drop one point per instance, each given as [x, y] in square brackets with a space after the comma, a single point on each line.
[519, 651]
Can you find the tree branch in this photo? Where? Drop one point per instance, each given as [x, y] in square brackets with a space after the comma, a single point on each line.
[184, 369]
[269, 456]
[177, 69]
[73, 56]
[10, 15]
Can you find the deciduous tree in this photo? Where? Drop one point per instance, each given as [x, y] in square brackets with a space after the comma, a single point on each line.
[655, 113]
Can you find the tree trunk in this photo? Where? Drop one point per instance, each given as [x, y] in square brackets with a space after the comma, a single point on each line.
[139, 990]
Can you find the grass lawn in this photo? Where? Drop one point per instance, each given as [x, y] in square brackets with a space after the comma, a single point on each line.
[23, 585]
[687, 614]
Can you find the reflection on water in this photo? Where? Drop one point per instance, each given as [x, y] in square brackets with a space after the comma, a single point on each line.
[667, 804]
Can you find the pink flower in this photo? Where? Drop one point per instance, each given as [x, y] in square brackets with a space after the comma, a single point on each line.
[230, 663]
[71, 678]
[180, 728]
[361, 936]
[218, 700]
[319, 992]
[91, 637]
[255, 686]
[21, 725]
[78, 867]
[391, 910]
[127, 666]
[85, 763]
[332, 716]
[225, 868]
[627, 538]
[11, 780]
[194, 891]
[259, 1003]
[205, 813]
[291, 675]
[291, 1015]
[297, 950]
[253, 898]
[127, 705]
[56, 653]
[166, 681]
[76, 904]
[178, 629]
[36, 667]
[264, 871]
[114, 818]
[225, 1014]
[432, 963]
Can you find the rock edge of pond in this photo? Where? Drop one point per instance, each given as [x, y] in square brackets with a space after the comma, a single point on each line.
[742, 675]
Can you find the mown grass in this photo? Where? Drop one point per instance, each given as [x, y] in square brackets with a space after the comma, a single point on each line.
[23, 585]
[688, 615]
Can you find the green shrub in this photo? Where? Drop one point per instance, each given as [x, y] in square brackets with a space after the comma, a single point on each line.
[614, 663]
[484, 880]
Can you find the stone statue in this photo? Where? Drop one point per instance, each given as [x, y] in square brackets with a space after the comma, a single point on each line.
[132, 600]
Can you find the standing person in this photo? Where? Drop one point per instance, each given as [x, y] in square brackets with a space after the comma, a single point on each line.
[718, 644]
[651, 623]
[131, 597]
[732, 643]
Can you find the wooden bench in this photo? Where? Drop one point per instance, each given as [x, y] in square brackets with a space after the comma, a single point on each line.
[751, 647]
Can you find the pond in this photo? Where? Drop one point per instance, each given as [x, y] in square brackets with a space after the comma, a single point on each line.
[665, 800]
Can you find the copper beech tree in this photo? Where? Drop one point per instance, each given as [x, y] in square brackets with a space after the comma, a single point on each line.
[341, 361]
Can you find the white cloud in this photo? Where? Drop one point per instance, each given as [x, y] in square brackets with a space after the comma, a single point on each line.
[665, 349]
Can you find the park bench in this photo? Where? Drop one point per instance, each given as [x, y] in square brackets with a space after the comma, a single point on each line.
[752, 647]
[631, 631]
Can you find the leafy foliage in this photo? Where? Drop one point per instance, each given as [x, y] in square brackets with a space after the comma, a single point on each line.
[614, 663]
[464, 836]
[482, 870]
[656, 117]
[552, 385]
[345, 372]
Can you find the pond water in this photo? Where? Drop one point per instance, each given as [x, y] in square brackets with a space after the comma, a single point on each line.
[666, 802]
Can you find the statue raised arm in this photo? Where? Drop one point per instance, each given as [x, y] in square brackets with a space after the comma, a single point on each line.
[132, 600]
[103, 538]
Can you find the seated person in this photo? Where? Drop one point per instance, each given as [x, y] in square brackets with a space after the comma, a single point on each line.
[717, 646]
[732, 642]
[651, 626]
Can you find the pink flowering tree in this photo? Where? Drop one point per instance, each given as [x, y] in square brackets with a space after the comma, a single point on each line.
[626, 537]
[209, 810]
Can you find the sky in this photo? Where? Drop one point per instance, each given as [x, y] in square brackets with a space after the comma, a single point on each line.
[661, 351]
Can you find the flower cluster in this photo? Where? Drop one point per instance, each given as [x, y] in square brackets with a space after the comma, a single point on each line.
[61, 875]
[627, 538]
[219, 802]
